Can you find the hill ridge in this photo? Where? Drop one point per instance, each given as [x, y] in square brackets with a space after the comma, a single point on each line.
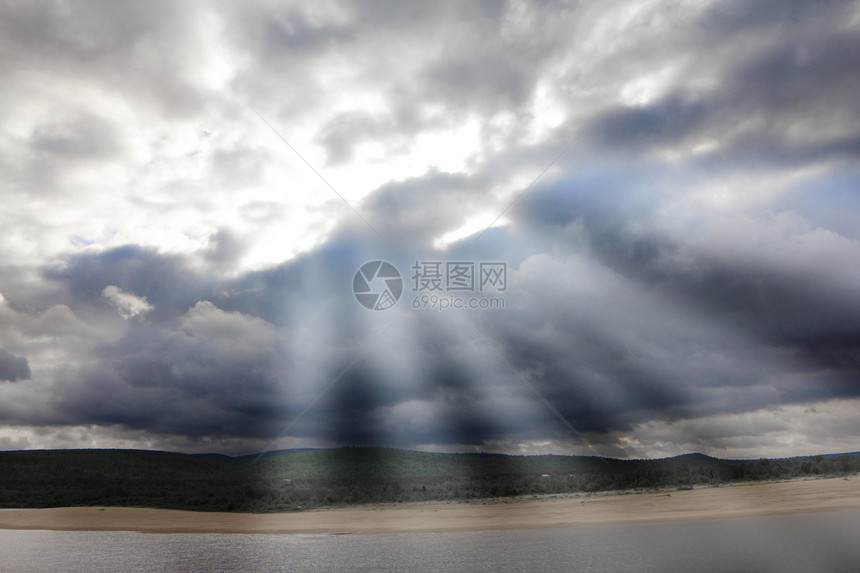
[294, 479]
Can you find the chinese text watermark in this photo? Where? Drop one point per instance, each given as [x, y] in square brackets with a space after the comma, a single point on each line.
[435, 285]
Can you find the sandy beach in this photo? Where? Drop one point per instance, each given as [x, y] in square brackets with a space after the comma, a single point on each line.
[740, 500]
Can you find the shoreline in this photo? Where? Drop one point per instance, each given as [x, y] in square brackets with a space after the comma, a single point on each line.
[559, 510]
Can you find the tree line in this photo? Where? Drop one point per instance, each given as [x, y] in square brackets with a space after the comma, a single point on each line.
[291, 480]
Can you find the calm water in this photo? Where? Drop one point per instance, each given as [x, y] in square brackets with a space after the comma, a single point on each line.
[817, 542]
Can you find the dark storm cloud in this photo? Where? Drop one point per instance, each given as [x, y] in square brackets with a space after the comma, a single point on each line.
[757, 294]
[806, 320]
[166, 281]
[574, 346]
[191, 368]
[205, 370]
[194, 368]
[668, 121]
[13, 368]
[807, 74]
[214, 373]
[206, 379]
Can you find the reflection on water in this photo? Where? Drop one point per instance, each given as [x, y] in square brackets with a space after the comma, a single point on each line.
[785, 544]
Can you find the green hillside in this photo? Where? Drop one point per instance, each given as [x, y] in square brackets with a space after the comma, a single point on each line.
[297, 479]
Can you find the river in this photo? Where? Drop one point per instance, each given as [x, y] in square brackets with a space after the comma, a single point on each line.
[810, 542]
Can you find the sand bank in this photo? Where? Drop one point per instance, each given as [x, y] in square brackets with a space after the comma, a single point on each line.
[740, 500]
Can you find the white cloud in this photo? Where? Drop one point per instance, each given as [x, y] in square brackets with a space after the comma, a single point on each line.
[780, 431]
[128, 305]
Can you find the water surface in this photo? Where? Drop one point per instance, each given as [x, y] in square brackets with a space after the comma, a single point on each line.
[811, 542]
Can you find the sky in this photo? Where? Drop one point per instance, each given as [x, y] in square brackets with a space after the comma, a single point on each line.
[626, 229]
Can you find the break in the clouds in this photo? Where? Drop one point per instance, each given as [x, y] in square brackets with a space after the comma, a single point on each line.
[673, 187]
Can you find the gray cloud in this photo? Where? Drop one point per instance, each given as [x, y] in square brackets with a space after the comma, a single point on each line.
[210, 374]
[13, 368]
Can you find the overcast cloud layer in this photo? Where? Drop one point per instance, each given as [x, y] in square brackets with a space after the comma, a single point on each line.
[682, 275]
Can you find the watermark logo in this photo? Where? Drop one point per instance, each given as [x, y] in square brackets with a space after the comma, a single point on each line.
[377, 285]
[459, 276]
[437, 285]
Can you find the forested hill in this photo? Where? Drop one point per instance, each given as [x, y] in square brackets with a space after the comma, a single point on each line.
[297, 479]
